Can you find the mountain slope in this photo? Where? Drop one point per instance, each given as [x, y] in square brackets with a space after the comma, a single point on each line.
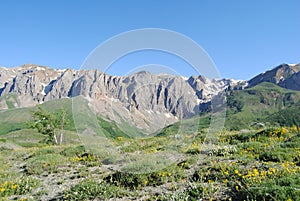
[252, 105]
[264, 104]
[17, 118]
[287, 117]
[284, 75]
[146, 101]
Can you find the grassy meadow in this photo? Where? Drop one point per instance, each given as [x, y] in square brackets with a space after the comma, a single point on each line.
[246, 165]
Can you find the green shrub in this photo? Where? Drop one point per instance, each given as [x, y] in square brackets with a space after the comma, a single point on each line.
[18, 186]
[193, 150]
[134, 180]
[87, 159]
[47, 162]
[274, 156]
[73, 151]
[269, 190]
[90, 189]
[2, 140]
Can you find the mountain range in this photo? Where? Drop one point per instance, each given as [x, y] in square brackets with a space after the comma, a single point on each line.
[143, 100]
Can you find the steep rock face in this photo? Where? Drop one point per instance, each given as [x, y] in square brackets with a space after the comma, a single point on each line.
[284, 75]
[205, 88]
[292, 82]
[6, 75]
[142, 99]
[28, 83]
[60, 86]
[143, 91]
[149, 101]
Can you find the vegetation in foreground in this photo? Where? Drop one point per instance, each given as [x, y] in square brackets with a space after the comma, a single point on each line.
[253, 165]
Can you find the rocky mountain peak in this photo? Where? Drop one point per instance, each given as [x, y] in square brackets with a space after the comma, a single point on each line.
[146, 100]
[283, 75]
[142, 97]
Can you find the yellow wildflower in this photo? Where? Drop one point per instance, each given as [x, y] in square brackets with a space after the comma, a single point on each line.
[255, 172]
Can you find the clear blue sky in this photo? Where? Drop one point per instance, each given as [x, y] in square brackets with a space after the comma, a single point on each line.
[243, 38]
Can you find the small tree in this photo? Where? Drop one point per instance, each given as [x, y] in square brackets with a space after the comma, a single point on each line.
[49, 124]
[61, 121]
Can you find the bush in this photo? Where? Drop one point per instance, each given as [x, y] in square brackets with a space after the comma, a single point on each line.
[89, 190]
[269, 190]
[274, 156]
[73, 151]
[19, 186]
[47, 162]
[134, 180]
